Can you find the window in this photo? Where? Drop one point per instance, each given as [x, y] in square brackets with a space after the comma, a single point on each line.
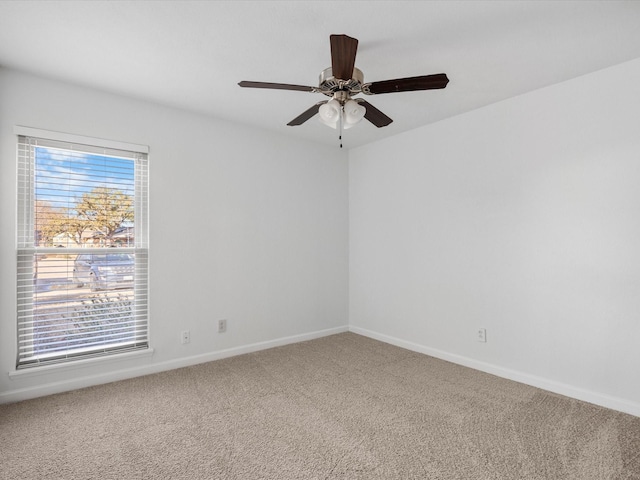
[82, 248]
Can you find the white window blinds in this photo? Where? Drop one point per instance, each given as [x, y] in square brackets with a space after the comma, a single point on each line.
[82, 249]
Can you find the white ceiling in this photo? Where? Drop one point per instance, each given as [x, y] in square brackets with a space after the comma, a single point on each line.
[192, 54]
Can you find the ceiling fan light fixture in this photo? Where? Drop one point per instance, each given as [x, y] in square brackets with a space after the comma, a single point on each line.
[353, 113]
[330, 113]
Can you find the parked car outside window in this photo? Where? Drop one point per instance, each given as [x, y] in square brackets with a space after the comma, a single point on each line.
[104, 271]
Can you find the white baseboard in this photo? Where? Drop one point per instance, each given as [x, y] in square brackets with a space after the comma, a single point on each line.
[577, 393]
[596, 398]
[123, 374]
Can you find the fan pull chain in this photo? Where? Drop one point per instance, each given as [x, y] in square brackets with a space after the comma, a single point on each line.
[340, 120]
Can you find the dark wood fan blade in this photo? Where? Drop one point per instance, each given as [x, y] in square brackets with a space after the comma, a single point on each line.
[343, 56]
[374, 115]
[306, 115]
[424, 82]
[275, 86]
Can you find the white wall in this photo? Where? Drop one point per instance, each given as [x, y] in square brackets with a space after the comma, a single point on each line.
[245, 225]
[523, 218]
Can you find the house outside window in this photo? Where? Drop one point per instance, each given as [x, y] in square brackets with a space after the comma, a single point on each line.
[82, 253]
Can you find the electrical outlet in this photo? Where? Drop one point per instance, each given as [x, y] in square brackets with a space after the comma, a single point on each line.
[185, 336]
[222, 326]
[482, 335]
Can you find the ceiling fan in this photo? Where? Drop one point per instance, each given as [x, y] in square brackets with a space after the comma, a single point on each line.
[342, 81]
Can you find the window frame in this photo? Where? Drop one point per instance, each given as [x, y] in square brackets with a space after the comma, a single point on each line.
[27, 249]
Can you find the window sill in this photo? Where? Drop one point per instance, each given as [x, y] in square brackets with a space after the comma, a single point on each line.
[63, 367]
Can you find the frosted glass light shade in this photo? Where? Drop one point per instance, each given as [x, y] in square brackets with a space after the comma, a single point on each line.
[330, 112]
[353, 113]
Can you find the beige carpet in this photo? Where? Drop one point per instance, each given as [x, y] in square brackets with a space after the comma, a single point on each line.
[341, 407]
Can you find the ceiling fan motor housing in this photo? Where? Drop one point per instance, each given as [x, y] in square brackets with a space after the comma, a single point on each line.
[330, 86]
